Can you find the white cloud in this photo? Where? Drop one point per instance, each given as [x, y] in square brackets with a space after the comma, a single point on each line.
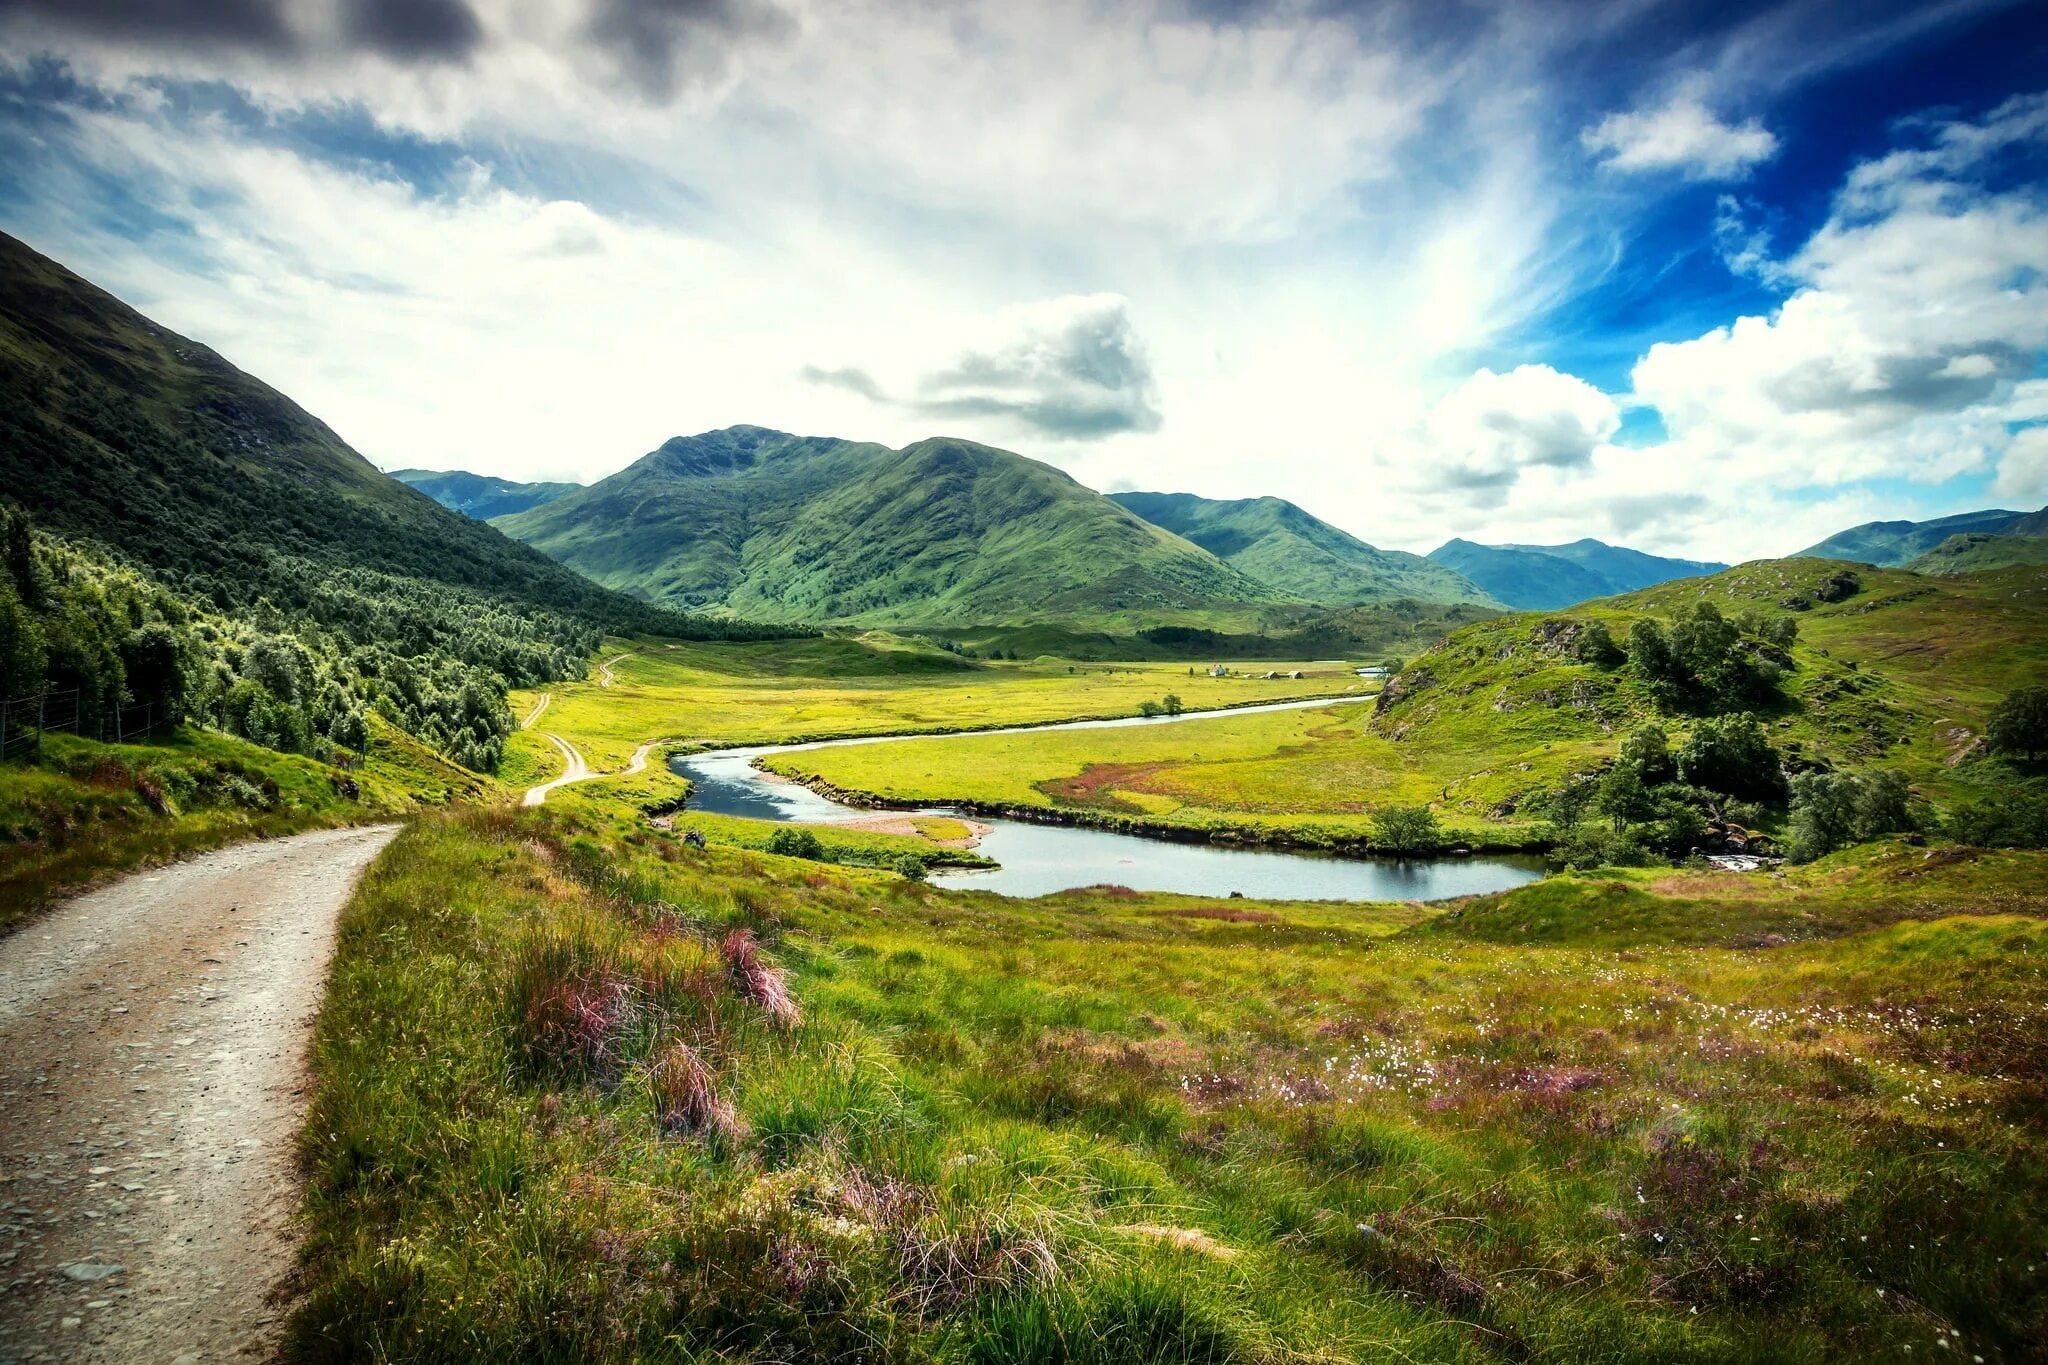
[1490, 430]
[2023, 469]
[1681, 135]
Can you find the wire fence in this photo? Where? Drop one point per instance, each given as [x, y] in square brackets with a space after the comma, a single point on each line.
[25, 720]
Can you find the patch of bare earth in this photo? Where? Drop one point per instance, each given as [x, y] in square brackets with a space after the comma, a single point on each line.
[153, 1043]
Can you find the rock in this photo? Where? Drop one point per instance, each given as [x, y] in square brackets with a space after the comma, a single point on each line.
[90, 1272]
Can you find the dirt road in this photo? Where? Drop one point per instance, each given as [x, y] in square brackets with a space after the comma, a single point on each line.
[538, 710]
[152, 1076]
[574, 769]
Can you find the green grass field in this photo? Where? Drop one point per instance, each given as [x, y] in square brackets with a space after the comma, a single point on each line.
[81, 810]
[1900, 675]
[782, 691]
[1642, 1116]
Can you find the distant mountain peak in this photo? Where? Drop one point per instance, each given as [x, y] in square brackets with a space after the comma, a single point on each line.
[1547, 577]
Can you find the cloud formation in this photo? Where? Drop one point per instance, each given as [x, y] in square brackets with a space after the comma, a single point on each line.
[1491, 429]
[1066, 369]
[1682, 135]
[404, 30]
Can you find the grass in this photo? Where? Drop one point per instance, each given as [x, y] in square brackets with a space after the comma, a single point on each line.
[782, 691]
[1901, 675]
[560, 1114]
[81, 810]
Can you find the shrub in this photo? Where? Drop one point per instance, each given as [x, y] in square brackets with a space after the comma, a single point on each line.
[796, 843]
[1595, 645]
[1834, 810]
[1648, 751]
[1405, 829]
[2019, 724]
[1733, 756]
[912, 866]
[2016, 819]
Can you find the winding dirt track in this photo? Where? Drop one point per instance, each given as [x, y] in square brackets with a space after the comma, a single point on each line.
[152, 1078]
[576, 769]
[539, 708]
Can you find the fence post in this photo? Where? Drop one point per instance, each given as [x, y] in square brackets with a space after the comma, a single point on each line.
[42, 699]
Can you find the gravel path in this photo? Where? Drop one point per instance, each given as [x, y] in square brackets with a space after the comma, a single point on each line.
[152, 1073]
[574, 769]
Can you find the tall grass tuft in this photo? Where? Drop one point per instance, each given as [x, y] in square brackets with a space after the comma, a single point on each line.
[758, 982]
[686, 1098]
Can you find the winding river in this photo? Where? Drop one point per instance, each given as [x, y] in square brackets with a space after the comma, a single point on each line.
[1039, 858]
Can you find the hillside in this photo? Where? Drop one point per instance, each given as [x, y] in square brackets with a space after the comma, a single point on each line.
[777, 527]
[1545, 577]
[287, 589]
[1299, 555]
[1976, 552]
[1889, 544]
[481, 496]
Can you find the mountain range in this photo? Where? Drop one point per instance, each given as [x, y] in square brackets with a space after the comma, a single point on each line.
[1890, 544]
[1298, 554]
[1547, 577]
[481, 496]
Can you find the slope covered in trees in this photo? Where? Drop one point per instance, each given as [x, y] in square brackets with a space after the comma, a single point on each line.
[1300, 555]
[138, 452]
[793, 528]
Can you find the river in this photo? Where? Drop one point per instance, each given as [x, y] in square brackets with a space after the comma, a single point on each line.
[1037, 859]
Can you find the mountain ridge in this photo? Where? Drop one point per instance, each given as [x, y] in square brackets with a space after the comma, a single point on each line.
[1289, 548]
[1548, 577]
[781, 527]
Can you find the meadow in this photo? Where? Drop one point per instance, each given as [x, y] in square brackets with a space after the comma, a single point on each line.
[587, 1093]
[79, 810]
[783, 691]
[1900, 674]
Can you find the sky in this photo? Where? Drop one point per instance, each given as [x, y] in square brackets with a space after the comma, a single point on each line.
[1709, 279]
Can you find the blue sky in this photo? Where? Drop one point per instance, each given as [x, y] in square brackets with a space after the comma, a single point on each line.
[1709, 279]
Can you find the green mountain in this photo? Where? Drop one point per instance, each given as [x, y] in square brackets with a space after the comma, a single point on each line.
[1889, 544]
[1300, 555]
[326, 588]
[1977, 552]
[1545, 577]
[481, 496]
[777, 527]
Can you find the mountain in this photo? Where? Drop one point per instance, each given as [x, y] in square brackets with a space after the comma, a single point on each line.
[326, 587]
[778, 527]
[1977, 552]
[481, 496]
[1545, 577]
[1300, 555]
[1889, 544]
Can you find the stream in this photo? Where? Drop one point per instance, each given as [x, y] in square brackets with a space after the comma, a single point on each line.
[1038, 859]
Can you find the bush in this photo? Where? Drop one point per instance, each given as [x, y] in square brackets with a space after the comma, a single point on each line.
[1733, 756]
[1405, 829]
[2019, 724]
[912, 866]
[1595, 645]
[796, 843]
[2016, 819]
[1834, 810]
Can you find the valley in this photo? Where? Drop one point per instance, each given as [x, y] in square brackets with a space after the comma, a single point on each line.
[844, 902]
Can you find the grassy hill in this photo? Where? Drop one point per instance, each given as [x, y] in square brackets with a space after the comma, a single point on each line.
[1544, 577]
[777, 527]
[1299, 555]
[1900, 673]
[1890, 544]
[481, 496]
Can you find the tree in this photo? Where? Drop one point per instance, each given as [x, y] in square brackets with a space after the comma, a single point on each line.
[1566, 804]
[155, 668]
[1733, 756]
[1648, 751]
[1149, 707]
[1623, 797]
[1834, 810]
[1171, 704]
[796, 843]
[1649, 657]
[1405, 829]
[1595, 645]
[2019, 724]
